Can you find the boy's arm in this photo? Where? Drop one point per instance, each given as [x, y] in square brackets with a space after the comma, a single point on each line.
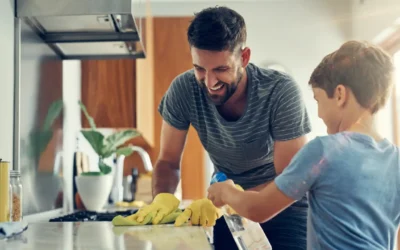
[258, 206]
[295, 181]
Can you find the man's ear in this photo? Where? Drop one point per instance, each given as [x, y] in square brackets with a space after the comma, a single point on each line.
[246, 52]
[341, 95]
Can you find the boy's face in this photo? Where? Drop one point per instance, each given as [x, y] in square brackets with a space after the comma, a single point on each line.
[329, 109]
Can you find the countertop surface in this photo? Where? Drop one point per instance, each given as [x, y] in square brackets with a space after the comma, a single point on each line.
[103, 235]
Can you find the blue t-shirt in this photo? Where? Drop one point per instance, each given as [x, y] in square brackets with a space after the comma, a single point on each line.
[353, 185]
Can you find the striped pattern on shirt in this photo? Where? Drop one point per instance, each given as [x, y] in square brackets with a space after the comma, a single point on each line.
[242, 149]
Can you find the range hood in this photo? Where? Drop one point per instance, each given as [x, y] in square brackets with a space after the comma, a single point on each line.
[88, 29]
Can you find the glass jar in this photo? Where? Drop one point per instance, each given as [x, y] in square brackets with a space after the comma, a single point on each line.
[16, 195]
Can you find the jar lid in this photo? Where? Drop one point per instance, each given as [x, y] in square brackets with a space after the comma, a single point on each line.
[15, 173]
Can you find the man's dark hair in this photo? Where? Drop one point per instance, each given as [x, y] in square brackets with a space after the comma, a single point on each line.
[217, 29]
[363, 67]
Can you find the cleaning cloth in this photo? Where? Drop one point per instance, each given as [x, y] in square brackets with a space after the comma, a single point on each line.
[131, 219]
[10, 229]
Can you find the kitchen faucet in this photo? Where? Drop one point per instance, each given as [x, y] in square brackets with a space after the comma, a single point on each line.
[118, 189]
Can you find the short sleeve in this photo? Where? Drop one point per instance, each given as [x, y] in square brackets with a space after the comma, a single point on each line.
[303, 171]
[175, 105]
[289, 117]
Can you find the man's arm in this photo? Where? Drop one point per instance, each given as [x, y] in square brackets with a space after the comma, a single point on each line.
[289, 123]
[284, 152]
[166, 172]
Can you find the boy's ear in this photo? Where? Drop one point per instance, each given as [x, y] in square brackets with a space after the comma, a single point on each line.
[341, 95]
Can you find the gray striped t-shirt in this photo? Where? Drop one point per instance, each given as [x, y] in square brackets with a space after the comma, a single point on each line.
[242, 149]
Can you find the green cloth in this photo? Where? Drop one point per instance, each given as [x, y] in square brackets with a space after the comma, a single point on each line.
[131, 221]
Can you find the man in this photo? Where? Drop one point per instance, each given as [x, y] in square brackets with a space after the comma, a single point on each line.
[250, 120]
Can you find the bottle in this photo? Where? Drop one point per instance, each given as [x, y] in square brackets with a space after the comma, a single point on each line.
[16, 195]
[135, 176]
[4, 191]
[248, 235]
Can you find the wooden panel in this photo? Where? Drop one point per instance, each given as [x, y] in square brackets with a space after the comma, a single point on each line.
[145, 85]
[109, 93]
[50, 91]
[173, 57]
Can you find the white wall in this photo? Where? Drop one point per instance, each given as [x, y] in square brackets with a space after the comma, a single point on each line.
[296, 34]
[371, 17]
[375, 20]
[7, 78]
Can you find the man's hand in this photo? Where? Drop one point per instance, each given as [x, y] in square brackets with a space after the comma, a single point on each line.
[200, 212]
[162, 205]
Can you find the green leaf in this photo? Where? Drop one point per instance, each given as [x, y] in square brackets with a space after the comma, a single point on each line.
[92, 173]
[88, 117]
[117, 139]
[96, 140]
[125, 151]
[52, 114]
[104, 168]
[39, 141]
[44, 140]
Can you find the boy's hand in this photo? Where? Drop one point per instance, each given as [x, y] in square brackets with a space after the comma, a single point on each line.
[217, 191]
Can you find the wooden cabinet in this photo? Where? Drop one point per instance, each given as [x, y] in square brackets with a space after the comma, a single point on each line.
[109, 92]
[126, 93]
[169, 56]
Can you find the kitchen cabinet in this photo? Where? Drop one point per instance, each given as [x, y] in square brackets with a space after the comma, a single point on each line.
[126, 93]
[170, 56]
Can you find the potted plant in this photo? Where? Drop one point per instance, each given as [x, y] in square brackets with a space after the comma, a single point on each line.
[94, 187]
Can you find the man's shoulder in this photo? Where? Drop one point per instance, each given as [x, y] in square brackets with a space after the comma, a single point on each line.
[271, 80]
[185, 80]
[268, 75]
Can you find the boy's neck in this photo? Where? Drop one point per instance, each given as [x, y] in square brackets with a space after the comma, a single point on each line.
[366, 125]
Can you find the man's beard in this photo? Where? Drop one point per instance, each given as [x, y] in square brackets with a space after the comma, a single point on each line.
[219, 100]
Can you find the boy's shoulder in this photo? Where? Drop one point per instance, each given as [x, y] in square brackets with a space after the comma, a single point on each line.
[328, 143]
[348, 141]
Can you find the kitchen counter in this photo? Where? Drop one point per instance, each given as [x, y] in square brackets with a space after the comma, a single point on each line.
[103, 235]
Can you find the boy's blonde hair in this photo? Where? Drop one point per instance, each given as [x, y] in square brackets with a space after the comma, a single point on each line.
[364, 68]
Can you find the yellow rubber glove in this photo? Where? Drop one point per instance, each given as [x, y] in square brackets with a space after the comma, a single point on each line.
[200, 212]
[137, 204]
[131, 221]
[162, 205]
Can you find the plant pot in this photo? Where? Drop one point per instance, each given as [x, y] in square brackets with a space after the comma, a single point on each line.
[94, 190]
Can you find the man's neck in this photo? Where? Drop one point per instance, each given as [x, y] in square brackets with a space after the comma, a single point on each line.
[235, 107]
[240, 94]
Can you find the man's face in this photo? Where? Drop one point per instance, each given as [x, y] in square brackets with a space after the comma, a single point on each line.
[218, 73]
[328, 110]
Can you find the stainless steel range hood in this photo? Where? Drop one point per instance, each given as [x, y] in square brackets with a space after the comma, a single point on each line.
[88, 29]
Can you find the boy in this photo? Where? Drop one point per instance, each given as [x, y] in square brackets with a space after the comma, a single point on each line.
[352, 176]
